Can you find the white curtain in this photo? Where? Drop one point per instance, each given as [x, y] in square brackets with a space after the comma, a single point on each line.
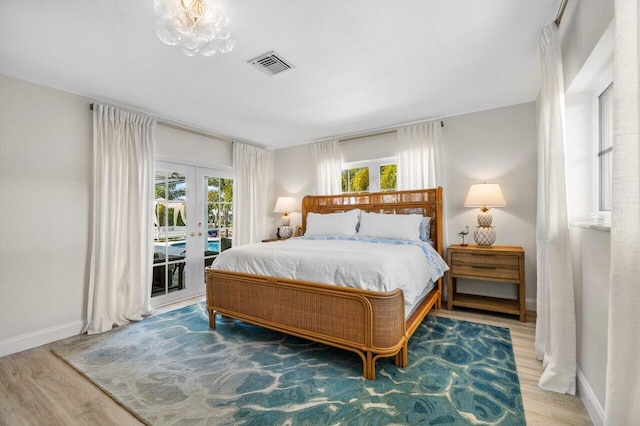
[252, 168]
[122, 222]
[328, 167]
[622, 406]
[420, 156]
[556, 325]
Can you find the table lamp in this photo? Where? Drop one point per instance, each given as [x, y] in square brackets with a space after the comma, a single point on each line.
[285, 205]
[485, 195]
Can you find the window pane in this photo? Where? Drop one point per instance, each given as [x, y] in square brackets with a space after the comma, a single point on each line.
[169, 232]
[219, 208]
[177, 187]
[345, 181]
[605, 109]
[369, 175]
[388, 177]
[355, 180]
[226, 190]
[605, 181]
[226, 215]
[213, 190]
[605, 147]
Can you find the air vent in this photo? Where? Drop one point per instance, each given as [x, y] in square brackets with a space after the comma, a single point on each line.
[271, 63]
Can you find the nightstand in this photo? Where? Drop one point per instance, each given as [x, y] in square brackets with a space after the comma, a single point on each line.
[504, 264]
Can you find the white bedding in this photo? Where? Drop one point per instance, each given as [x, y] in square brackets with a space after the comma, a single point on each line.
[357, 263]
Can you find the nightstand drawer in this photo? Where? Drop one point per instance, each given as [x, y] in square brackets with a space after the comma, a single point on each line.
[489, 259]
[489, 265]
[486, 271]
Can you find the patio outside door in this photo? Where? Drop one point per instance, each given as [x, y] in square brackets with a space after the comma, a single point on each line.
[191, 218]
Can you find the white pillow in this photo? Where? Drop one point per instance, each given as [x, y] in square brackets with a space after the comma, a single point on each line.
[391, 226]
[343, 223]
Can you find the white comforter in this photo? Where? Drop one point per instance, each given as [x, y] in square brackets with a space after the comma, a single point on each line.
[359, 264]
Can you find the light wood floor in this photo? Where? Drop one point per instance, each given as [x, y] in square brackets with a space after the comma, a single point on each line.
[37, 388]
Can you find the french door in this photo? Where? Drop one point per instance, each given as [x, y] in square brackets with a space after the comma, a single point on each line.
[193, 222]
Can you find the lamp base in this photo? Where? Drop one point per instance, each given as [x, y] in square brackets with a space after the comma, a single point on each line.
[484, 235]
[484, 218]
[285, 231]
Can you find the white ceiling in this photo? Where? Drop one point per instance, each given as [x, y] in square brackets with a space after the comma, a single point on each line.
[360, 64]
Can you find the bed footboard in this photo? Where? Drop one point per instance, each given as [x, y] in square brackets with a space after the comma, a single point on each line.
[372, 324]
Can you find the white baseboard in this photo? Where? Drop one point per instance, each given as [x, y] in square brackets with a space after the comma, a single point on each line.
[531, 304]
[591, 403]
[40, 337]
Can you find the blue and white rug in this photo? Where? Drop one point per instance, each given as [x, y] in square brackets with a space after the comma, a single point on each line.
[172, 369]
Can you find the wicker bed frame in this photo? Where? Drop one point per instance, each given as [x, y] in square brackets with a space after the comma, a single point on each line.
[371, 324]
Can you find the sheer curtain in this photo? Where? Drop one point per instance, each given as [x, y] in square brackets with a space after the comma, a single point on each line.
[252, 167]
[420, 156]
[328, 167]
[122, 222]
[622, 405]
[556, 324]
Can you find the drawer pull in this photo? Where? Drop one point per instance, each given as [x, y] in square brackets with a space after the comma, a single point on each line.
[482, 267]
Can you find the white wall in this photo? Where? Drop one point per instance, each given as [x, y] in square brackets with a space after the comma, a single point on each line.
[46, 178]
[582, 27]
[587, 44]
[591, 252]
[579, 155]
[294, 175]
[45, 170]
[497, 145]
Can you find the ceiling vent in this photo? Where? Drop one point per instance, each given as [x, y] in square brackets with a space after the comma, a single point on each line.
[271, 63]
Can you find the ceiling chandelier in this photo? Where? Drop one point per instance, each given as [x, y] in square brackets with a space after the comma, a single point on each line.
[200, 26]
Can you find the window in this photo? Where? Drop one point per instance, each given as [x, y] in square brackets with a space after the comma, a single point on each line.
[388, 177]
[369, 176]
[605, 148]
[219, 206]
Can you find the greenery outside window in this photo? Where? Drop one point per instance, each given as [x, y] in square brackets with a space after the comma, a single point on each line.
[388, 177]
[369, 175]
[219, 207]
[355, 179]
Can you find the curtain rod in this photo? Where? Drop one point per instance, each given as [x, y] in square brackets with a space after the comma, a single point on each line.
[563, 6]
[378, 132]
[184, 129]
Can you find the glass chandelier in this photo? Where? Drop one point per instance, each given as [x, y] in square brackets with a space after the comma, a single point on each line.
[200, 26]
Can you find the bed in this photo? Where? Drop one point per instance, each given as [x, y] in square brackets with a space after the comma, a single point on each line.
[370, 323]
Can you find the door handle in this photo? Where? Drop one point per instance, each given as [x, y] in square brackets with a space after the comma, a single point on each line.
[193, 234]
[199, 234]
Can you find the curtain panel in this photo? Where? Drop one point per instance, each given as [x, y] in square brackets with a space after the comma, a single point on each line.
[622, 406]
[420, 156]
[555, 341]
[328, 167]
[122, 222]
[253, 174]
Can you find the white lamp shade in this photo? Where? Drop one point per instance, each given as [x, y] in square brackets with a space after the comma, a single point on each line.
[286, 205]
[485, 195]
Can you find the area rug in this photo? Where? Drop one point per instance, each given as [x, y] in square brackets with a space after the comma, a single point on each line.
[172, 369]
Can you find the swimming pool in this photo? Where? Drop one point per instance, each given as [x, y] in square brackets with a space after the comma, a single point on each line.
[211, 245]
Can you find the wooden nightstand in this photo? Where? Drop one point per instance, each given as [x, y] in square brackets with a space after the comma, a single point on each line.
[503, 264]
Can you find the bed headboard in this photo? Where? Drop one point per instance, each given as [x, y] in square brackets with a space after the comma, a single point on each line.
[427, 202]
